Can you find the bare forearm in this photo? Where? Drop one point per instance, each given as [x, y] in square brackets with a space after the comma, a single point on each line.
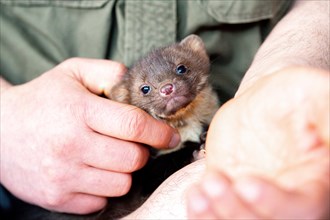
[4, 84]
[300, 38]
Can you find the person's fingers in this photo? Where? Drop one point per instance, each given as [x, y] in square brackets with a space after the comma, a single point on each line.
[102, 183]
[278, 203]
[113, 154]
[128, 122]
[223, 199]
[99, 76]
[198, 205]
[80, 203]
[215, 198]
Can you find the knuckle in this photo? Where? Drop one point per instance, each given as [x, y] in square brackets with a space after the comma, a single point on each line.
[71, 64]
[53, 201]
[52, 172]
[53, 197]
[71, 60]
[55, 178]
[121, 68]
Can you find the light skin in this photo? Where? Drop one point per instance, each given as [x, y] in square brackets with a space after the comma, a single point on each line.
[63, 147]
[263, 175]
[278, 168]
[267, 150]
[274, 197]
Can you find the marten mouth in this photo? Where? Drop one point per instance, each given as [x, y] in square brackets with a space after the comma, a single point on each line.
[174, 104]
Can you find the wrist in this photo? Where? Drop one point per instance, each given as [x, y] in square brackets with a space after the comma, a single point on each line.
[269, 67]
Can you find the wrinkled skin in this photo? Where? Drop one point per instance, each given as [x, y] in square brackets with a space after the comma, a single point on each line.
[64, 148]
[268, 152]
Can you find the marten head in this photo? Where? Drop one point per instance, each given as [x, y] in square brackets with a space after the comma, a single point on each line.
[167, 79]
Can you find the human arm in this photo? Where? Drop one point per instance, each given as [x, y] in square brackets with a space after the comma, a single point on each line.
[268, 148]
[168, 200]
[270, 153]
[301, 38]
[66, 149]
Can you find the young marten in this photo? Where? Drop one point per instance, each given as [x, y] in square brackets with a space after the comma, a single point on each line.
[171, 84]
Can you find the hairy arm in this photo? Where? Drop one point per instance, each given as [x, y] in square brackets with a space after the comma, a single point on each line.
[275, 131]
[300, 38]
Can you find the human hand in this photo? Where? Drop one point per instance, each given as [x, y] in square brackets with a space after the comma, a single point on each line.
[168, 200]
[66, 149]
[268, 152]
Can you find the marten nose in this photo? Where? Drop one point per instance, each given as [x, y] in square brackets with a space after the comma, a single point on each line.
[167, 89]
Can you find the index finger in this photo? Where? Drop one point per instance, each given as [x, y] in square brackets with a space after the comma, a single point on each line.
[129, 123]
[96, 75]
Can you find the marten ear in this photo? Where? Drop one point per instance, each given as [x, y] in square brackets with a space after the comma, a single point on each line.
[119, 93]
[193, 42]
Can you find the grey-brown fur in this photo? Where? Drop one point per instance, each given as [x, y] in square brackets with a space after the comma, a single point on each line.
[193, 100]
[188, 115]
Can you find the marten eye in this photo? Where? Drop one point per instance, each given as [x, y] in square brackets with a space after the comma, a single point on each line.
[145, 89]
[181, 69]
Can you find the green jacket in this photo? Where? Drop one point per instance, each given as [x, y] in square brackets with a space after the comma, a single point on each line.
[36, 35]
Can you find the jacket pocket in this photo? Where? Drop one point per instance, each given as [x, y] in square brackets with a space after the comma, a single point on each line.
[245, 11]
[57, 3]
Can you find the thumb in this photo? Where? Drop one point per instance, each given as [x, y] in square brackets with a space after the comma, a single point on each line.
[96, 75]
[114, 119]
[127, 122]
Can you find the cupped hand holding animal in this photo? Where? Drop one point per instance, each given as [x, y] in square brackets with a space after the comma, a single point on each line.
[65, 148]
[268, 151]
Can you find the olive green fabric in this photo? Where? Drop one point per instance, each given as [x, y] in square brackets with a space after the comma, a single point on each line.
[35, 35]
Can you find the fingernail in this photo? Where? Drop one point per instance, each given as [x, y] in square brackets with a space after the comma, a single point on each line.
[214, 186]
[175, 140]
[248, 190]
